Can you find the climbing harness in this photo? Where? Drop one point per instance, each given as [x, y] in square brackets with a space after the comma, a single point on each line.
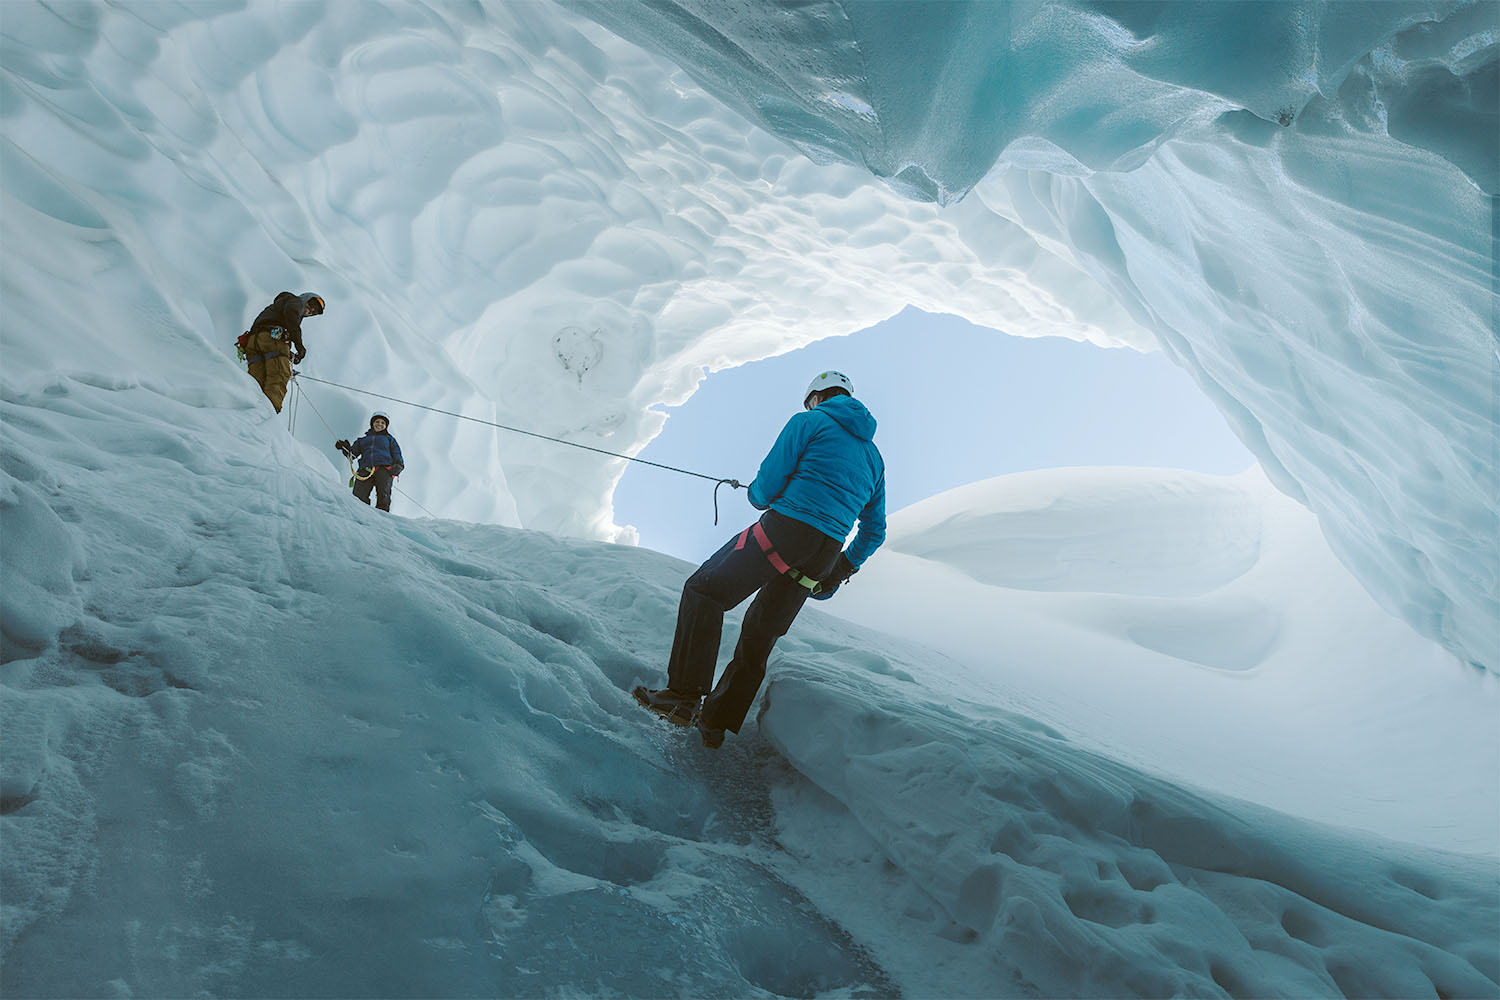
[354, 474]
[732, 483]
[779, 564]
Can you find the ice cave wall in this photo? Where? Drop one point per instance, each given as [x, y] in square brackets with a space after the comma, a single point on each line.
[522, 216]
[1297, 199]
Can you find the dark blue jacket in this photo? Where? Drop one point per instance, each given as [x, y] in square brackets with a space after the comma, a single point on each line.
[379, 449]
[824, 470]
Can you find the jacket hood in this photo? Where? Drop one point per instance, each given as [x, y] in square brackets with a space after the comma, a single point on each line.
[850, 414]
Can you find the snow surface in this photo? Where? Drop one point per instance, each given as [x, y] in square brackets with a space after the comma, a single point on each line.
[519, 216]
[260, 739]
[1118, 732]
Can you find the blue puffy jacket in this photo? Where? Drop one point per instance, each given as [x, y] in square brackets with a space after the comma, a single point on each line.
[824, 470]
[379, 449]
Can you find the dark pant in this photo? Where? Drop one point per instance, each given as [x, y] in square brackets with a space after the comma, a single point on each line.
[730, 575]
[380, 482]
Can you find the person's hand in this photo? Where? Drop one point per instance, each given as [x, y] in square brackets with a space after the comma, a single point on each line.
[343, 446]
[297, 356]
[397, 469]
[839, 575]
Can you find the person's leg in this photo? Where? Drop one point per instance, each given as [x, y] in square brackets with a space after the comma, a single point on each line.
[278, 377]
[769, 618]
[255, 349]
[382, 479]
[362, 488]
[729, 576]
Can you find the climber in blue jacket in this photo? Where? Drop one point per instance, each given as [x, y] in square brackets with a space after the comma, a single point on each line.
[822, 475]
[379, 458]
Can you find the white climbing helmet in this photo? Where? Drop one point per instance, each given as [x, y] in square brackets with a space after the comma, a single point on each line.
[377, 415]
[826, 380]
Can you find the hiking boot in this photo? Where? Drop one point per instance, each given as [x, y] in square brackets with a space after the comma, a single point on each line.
[712, 738]
[676, 708]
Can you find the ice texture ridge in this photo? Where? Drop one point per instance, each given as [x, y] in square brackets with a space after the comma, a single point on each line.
[527, 216]
[1298, 200]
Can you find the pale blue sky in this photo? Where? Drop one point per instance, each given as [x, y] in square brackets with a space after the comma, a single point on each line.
[955, 403]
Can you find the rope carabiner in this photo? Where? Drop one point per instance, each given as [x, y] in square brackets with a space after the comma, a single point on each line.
[734, 484]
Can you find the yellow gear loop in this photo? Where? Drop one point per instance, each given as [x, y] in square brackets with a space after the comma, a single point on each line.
[356, 477]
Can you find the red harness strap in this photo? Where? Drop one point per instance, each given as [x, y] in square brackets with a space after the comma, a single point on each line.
[764, 541]
[772, 556]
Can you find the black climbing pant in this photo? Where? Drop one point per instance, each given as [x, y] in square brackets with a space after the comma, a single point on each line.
[380, 481]
[741, 568]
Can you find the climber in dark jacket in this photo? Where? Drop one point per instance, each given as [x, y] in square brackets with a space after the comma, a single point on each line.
[274, 343]
[823, 474]
[379, 458]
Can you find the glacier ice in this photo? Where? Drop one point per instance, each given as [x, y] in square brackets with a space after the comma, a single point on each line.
[1297, 200]
[260, 740]
[525, 218]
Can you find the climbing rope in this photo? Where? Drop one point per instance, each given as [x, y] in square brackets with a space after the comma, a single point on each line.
[291, 410]
[717, 481]
[409, 497]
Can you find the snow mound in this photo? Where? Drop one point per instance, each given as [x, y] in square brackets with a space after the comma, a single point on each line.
[1030, 853]
[1126, 531]
[1200, 626]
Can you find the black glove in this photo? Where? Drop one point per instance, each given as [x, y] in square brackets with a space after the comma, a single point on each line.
[297, 356]
[343, 446]
[396, 469]
[837, 577]
[841, 572]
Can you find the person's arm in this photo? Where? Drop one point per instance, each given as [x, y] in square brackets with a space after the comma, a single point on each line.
[866, 541]
[397, 464]
[289, 318]
[779, 464]
[871, 527]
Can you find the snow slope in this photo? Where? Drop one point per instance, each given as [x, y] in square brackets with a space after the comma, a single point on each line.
[259, 739]
[1119, 734]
